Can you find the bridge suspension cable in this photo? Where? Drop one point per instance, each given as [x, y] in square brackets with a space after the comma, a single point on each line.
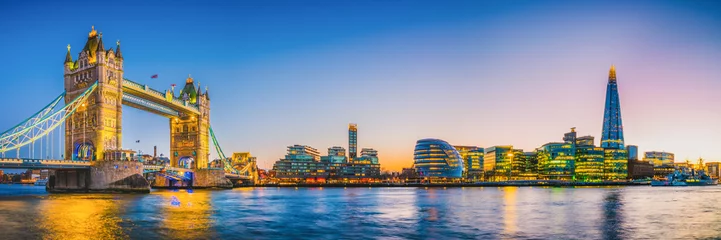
[35, 118]
[41, 123]
[226, 164]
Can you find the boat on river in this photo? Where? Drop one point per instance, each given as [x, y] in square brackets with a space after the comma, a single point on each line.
[681, 179]
[41, 182]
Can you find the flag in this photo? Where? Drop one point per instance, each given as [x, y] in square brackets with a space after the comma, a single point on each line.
[154, 76]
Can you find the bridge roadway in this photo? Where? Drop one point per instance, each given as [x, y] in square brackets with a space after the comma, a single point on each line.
[143, 97]
[73, 164]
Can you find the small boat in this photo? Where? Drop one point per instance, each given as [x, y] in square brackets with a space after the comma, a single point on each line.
[41, 182]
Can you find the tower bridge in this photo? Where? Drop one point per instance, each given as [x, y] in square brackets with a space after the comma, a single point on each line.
[89, 128]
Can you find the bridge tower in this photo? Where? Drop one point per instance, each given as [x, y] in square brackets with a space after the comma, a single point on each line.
[96, 125]
[189, 133]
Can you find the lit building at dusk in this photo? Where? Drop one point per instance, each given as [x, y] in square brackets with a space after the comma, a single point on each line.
[529, 165]
[659, 158]
[436, 160]
[352, 141]
[556, 161]
[336, 154]
[472, 162]
[301, 164]
[713, 169]
[615, 155]
[615, 164]
[612, 134]
[589, 163]
[364, 169]
[497, 163]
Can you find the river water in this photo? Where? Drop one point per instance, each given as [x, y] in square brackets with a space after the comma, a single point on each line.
[27, 212]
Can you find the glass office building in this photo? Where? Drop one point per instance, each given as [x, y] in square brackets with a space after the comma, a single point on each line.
[497, 162]
[589, 163]
[612, 135]
[556, 161]
[352, 141]
[472, 162]
[615, 164]
[436, 159]
[659, 158]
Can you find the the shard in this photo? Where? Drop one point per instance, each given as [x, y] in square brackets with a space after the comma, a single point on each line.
[612, 137]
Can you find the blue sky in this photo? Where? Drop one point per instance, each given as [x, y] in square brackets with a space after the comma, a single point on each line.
[470, 72]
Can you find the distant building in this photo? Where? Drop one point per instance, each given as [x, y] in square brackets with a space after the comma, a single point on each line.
[585, 141]
[472, 162]
[713, 169]
[336, 154]
[352, 141]
[615, 164]
[632, 152]
[301, 164]
[640, 169]
[370, 155]
[659, 158]
[589, 163]
[364, 169]
[497, 163]
[556, 161]
[436, 160]
[529, 165]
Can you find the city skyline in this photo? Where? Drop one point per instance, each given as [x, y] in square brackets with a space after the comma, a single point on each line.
[462, 78]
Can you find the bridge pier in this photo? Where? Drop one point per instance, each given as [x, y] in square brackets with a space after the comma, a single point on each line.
[211, 178]
[103, 176]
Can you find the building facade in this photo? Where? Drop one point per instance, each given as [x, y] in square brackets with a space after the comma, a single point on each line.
[659, 158]
[632, 152]
[612, 134]
[713, 169]
[436, 160]
[556, 161]
[352, 141]
[638, 169]
[497, 162]
[472, 162]
[615, 164]
[589, 163]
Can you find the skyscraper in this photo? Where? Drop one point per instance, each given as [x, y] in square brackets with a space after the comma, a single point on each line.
[352, 141]
[612, 135]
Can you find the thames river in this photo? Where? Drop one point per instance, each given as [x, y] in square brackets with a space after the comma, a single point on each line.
[27, 212]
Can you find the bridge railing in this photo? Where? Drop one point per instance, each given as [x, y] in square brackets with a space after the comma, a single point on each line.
[44, 161]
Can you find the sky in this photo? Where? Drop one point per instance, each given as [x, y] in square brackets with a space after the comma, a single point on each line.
[479, 73]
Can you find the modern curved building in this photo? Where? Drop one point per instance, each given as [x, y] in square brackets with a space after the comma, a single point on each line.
[435, 158]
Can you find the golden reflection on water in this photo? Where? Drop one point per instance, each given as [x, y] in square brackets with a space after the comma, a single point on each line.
[509, 209]
[80, 217]
[186, 215]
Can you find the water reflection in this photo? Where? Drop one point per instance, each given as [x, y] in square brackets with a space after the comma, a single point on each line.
[77, 216]
[185, 214]
[362, 213]
[509, 210]
[612, 215]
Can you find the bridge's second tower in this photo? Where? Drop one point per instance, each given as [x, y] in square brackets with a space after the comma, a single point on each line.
[96, 125]
[189, 138]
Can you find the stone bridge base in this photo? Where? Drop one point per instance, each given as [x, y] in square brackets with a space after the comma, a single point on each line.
[103, 176]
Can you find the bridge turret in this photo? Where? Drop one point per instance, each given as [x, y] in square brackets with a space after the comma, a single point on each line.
[68, 61]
